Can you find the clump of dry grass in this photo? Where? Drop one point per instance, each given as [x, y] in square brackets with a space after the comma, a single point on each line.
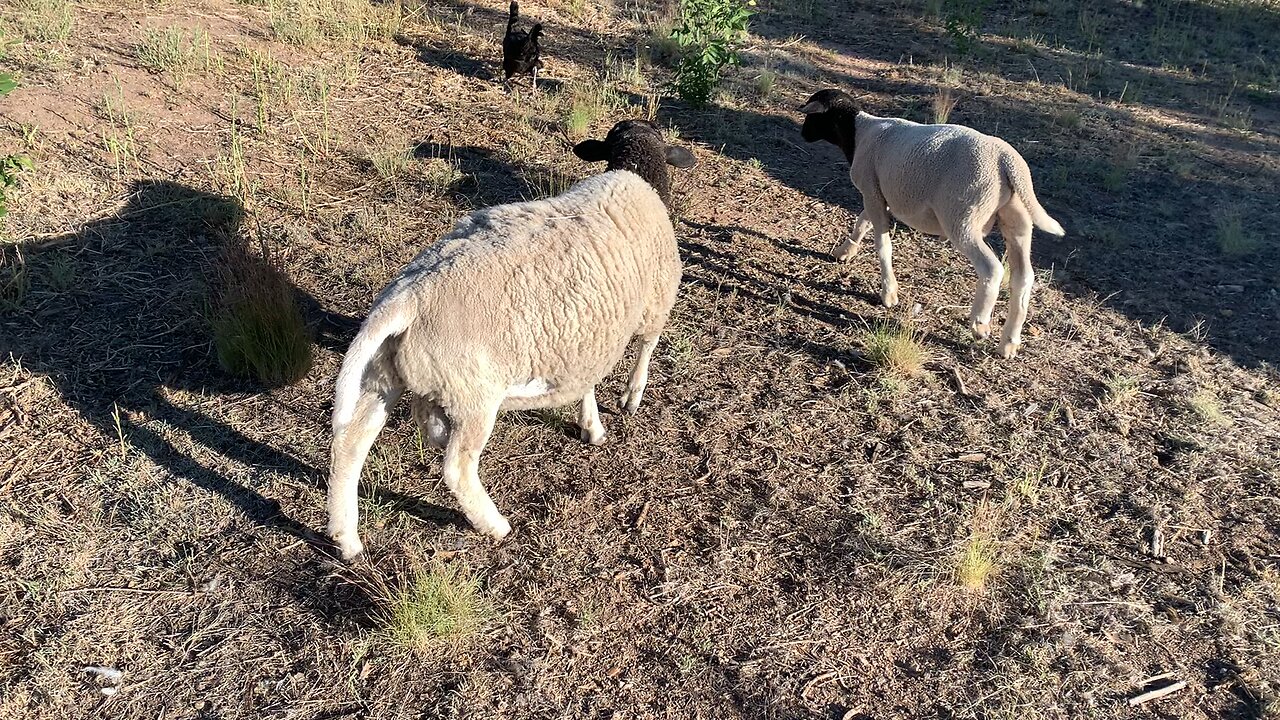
[258, 327]
[309, 22]
[588, 103]
[1120, 389]
[438, 606]
[943, 103]
[1205, 405]
[1232, 238]
[894, 349]
[45, 20]
[15, 281]
[170, 50]
[977, 563]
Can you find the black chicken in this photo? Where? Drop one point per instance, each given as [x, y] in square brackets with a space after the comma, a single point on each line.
[520, 49]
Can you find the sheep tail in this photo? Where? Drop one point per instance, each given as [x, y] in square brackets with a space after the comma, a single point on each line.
[1018, 175]
[513, 15]
[368, 362]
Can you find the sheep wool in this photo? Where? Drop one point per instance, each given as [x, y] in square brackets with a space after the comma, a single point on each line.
[944, 180]
[520, 306]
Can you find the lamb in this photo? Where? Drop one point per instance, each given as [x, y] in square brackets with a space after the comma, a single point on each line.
[520, 306]
[944, 180]
[520, 51]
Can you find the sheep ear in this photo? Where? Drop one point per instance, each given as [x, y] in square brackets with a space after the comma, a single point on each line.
[592, 150]
[679, 157]
[814, 107]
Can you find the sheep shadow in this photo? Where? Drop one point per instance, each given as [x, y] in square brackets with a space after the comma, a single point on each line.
[130, 332]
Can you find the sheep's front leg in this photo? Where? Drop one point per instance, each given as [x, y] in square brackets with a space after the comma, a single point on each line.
[592, 430]
[351, 443]
[471, 426]
[850, 245]
[990, 273]
[639, 373]
[888, 282]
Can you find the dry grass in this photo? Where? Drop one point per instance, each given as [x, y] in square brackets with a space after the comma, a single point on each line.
[45, 20]
[1205, 405]
[173, 50]
[943, 103]
[258, 328]
[773, 513]
[894, 349]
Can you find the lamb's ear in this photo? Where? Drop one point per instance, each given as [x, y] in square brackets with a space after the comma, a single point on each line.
[813, 107]
[592, 150]
[679, 157]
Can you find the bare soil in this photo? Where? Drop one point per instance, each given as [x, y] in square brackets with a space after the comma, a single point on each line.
[781, 531]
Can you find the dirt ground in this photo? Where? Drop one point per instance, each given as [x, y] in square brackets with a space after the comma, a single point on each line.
[784, 530]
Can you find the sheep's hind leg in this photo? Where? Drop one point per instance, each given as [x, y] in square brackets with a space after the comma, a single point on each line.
[990, 272]
[592, 430]
[1015, 226]
[351, 443]
[471, 426]
[639, 373]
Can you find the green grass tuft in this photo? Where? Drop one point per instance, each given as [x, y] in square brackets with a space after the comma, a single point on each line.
[45, 20]
[894, 349]
[442, 605]
[1233, 240]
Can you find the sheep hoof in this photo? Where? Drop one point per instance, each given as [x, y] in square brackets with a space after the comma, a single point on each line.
[889, 298]
[981, 331]
[844, 251]
[349, 546]
[592, 436]
[631, 401]
[1008, 349]
[498, 529]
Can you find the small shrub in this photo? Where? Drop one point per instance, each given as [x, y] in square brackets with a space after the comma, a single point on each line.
[709, 32]
[11, 166]
[438, 606]
[894, 349]
[1232, 238]
[962, 22]
[258, 327]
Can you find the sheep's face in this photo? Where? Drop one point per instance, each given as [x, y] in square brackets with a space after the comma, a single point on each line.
[638, 146]
[829, 116]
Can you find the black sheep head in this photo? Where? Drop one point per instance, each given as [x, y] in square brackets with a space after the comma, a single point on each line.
[638, 146]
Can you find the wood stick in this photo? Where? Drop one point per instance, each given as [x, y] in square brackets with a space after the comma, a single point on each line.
[1156, 694]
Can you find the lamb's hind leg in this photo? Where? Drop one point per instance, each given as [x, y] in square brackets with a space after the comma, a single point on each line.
[471, 424]
[351, 443]
[592, 430]
[990, 272]
[1015, 226]
[640, 372]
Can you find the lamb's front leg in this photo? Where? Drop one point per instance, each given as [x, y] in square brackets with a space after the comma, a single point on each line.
[592, 430]
[639, 373]
[850, 245]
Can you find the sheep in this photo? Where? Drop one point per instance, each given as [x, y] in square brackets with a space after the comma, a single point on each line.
[520, 306]
[520, 51]
[944, 180]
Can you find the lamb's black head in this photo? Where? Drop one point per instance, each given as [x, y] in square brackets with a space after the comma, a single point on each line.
[638, 146]
[829, 116]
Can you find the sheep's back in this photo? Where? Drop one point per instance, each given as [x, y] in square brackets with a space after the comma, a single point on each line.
[547, 289]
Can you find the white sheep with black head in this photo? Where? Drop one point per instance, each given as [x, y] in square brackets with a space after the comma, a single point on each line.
[521, 306]
[944, 180]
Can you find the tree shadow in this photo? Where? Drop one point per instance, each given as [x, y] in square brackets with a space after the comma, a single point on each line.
[131, 330]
